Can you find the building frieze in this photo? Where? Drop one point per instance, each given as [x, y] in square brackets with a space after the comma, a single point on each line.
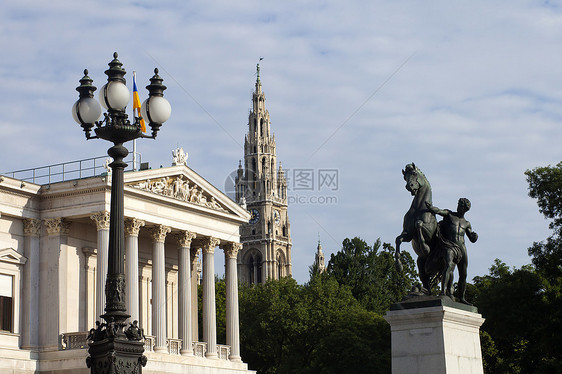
[180, 188]
[87, 191]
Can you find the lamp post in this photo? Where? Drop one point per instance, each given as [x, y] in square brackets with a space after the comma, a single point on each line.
[114, 348]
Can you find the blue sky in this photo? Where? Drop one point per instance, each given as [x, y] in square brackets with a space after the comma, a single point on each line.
[471, 92]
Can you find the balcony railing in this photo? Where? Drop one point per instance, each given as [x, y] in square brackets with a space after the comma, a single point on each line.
[86, 168]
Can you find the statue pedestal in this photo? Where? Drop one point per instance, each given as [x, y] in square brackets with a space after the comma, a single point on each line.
[435, 335]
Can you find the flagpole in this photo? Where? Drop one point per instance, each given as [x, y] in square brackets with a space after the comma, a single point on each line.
[135, 140]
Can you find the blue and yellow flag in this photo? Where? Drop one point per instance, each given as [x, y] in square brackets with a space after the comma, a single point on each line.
[137, 103]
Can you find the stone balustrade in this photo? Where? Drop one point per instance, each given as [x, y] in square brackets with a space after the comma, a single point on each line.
[149, 343]
[199, 349]
[174, 346]
[79, 340]
[74, 340]
[223, 351]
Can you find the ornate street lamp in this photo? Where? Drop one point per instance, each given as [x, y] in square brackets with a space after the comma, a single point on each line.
[114, 348]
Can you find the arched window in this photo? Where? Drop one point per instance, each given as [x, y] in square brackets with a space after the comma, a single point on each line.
[254, 267]
[258, 269]
[280, 265]
[251, 270]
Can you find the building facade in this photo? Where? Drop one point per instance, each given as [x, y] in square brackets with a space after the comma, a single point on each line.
[53, 263]
[261, 186]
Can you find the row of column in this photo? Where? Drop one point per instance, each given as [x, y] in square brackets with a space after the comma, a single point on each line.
[188, 247]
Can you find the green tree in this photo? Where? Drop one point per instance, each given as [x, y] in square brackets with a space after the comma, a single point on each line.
[315, 328]
[370, 273]
[514, 305]
[545, 185]
[272, 325]
[220, 307]
[343, 336]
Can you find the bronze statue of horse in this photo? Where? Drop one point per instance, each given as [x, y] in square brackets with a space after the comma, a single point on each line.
[420, 225]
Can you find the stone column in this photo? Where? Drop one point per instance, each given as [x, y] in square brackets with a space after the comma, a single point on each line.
[194, 252]
[232, 319]
[132, 228]
[209, 306]
[30, 305]
[89, 288]
[102, 225]
[184, 292]
[52, 286]
[159, 287]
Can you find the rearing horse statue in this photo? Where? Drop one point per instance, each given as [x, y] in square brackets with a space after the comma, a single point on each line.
[420, 225]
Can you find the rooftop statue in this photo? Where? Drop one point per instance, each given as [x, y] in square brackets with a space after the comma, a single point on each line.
[439, 247]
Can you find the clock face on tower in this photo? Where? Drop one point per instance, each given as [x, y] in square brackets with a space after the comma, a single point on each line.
[255, 216]
[276, 216]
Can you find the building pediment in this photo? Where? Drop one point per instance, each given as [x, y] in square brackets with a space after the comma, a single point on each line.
[183, 184]
[12, 256]
[180, 188]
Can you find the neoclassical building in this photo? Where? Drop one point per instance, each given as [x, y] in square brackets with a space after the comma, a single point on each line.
[262, 187]
[53, 263]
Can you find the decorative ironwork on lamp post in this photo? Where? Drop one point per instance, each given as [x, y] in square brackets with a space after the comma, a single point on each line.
[114, 348]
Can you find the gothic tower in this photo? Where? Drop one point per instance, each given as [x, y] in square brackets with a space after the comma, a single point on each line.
[262, 187]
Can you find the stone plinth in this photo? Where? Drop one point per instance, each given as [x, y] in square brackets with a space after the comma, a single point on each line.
[435, 335]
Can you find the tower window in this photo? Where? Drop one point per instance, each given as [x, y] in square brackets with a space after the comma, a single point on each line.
[255, 269]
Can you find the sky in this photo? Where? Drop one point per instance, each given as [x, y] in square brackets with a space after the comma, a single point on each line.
[469, 91]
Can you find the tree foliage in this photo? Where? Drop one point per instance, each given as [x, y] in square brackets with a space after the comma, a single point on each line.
[545, 184]
[370, 273]
[318, 327]
[514, 305]
[523, 307]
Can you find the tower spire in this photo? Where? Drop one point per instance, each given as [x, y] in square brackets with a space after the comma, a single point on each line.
[258, 71]
[266, 238]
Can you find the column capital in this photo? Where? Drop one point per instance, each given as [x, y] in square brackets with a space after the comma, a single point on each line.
[209, 243]
[231, 249]
[158, 233]
[56, 226]
[101, 219]
[88, 251]
[132, 226]
[31, 227]
[184, 238]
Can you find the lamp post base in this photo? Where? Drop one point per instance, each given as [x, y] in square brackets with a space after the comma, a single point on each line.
[116, 355]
